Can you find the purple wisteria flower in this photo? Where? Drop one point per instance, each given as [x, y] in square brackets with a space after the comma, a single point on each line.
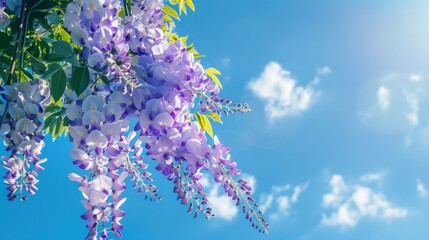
[145, 110]
[168, 80]
[22, 133]
[96, 26]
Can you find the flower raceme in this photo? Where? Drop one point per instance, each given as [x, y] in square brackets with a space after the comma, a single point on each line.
[145, 108]
[23, 136]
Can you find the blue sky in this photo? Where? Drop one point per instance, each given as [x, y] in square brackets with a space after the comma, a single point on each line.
[345, 155]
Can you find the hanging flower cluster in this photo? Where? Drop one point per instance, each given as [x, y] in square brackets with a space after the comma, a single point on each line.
[23, 136]
[126, 90]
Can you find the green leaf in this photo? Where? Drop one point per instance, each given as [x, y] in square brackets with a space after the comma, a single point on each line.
[52, 108]
[121, 13]
[64, 35]
[215, 117]
[62, 51]
[53, 127]
[37, 66]
[46, 4]
[53, 18]
[42, 46]
[212, 72]
[52, 69]
[105, 79]
[5, 40]
[25, 75]
[170, 11]
[174, 2]
[58, 84]
[47, 124]
[58, 127]
[54, 57]
[80, 79]
[63, 48]
[5, 60]
[204, 123]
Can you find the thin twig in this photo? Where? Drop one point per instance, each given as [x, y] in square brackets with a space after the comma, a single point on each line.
[12, 67]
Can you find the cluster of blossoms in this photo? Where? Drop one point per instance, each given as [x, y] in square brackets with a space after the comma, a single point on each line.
[146, 109]
[95, 25]
[99, 128]
[22, 134]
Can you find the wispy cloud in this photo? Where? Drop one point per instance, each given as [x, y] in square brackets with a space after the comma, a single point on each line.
[372, 177]
[421, 189]
[226, 61]
[297, 192]
[221, 203]
[383, 97]
[324, 71]
[397, 104]
[281, 93]
[415, 77]
[349, 203]
[280, 200]
[413, 116]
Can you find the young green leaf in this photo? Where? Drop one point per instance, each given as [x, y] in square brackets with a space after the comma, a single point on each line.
[64, 34]
[182, 7]
[212, 72]
[204, 123]
[190, 4]
[215, 117]
[170, 11]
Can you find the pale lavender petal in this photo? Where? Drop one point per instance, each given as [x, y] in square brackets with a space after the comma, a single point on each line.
[93, 117]
[96, 139]
[25, 125]
[164, 119]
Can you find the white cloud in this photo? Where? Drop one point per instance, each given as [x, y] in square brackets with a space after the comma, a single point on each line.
[415, 78]
[372, 177]
[280, 189]
[421, 189]
[281, 94]
[221, 203]
[383, 97]
[338, 188]
[413, 115]
[397, 104]
[280, 200]
[283, 203]
[297, 192]
[266, 202]
[324, 71]
[351, 203]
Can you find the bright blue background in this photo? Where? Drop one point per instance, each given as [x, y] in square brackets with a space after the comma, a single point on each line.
[359, 40]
